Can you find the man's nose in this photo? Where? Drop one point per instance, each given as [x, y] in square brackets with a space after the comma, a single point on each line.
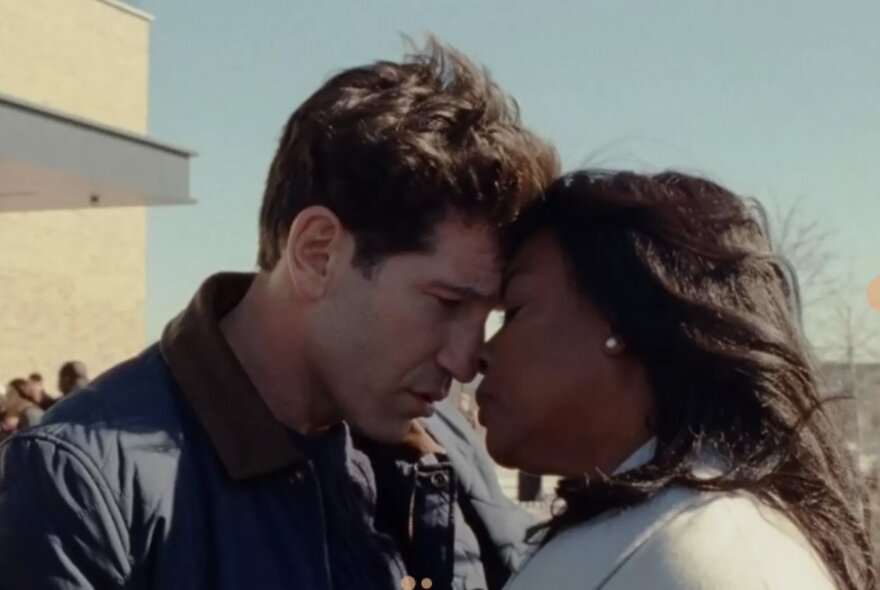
[460, 354]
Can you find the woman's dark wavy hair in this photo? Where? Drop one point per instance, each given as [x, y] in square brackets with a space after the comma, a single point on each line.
[683, 270]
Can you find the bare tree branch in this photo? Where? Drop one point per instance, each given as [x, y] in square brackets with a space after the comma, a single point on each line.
[806, 243]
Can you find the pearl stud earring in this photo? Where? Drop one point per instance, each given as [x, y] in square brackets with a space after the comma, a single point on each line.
[613, 344]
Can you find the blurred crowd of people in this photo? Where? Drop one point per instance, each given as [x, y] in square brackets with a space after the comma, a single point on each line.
[24, 401]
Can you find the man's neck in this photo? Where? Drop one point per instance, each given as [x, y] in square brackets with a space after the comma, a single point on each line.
[270, 350]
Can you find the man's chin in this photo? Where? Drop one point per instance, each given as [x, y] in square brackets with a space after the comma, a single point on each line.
[390, 433]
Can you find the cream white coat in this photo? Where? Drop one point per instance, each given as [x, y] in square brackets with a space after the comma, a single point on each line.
[680, 540]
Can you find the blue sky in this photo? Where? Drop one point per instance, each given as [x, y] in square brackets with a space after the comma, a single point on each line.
[777, 99]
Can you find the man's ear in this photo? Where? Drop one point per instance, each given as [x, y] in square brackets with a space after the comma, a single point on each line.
[317, 247]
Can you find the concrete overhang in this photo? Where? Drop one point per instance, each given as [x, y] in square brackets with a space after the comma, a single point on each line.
[50, 160]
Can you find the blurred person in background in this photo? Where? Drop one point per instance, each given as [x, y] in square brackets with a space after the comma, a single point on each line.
[8, 419]
[72, 377]
[35, 391]
[17, 395]
[8, 423]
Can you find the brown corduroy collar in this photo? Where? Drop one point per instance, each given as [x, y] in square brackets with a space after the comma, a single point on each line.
[246, 436]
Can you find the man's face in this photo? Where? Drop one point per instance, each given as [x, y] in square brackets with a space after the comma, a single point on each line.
[65, 382]
[8, 425]
[391, 344]
[33, 390]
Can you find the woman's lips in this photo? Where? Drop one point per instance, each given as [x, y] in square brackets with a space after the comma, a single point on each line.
[484, 401]
[483, 396]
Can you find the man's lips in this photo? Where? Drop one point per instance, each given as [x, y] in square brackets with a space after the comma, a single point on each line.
[426, 401]
[430, 396]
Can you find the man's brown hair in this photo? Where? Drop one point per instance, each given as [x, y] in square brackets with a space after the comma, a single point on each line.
[391, 148]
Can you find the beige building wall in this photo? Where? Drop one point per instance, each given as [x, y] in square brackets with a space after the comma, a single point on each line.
[72, 283]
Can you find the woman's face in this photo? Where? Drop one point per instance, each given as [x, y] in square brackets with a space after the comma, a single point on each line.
[554, 399]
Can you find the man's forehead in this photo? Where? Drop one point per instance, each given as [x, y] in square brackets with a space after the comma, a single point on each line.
[476, 276]
[455, 231]
[468, 254]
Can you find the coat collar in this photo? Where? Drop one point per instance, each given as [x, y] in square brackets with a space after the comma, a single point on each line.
[641, 456]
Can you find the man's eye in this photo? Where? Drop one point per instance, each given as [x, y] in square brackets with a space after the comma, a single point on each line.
[448, 302]
[511, 312]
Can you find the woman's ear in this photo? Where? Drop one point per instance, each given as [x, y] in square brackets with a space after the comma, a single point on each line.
[317, 247]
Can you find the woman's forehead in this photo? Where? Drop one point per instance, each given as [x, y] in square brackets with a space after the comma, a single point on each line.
[538, 257]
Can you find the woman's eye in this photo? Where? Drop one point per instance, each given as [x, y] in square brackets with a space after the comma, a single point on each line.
[511, 312]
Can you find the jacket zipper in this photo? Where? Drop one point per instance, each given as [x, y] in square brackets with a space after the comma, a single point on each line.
[411, 524]
[323, 526]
